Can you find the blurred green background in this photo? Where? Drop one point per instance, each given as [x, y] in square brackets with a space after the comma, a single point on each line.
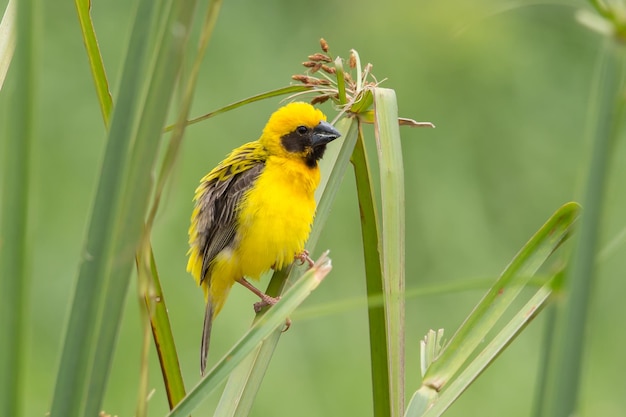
[508, 89]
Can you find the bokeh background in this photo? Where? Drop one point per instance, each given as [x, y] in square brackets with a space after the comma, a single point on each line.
[508, 87]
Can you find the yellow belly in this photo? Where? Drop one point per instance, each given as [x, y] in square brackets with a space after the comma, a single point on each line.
[275, 221]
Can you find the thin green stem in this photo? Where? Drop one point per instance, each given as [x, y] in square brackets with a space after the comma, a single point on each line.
[609, 114]
[83, 8]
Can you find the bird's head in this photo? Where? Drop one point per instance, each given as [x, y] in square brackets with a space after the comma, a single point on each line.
[298, 130]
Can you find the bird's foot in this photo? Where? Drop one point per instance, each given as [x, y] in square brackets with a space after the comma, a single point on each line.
[266, 300]
[304, 257]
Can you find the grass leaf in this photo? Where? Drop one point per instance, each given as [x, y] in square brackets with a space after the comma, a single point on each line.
[379, 357]
[392, 248]
[155, 302]
[608, 112]
[163, 336]
[95, 59]
[262, 96]
[474, 331]
[14, 255]
[119, 209]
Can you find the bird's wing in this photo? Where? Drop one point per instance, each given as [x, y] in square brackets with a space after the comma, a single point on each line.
[217, 202]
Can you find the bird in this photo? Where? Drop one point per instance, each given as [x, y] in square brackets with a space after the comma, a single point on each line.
[253, 212]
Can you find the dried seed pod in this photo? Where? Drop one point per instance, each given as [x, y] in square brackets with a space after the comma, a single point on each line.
[302, 78]
[320, 57]
[320, 99]
[316, 67]
[309, 64]
[314, 81]
[324, 44]
[328, 70]
[352, 60]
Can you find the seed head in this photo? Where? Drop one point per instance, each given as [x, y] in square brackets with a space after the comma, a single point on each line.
[324, 45]
[328, 70]
[352, 61]
[320, 99]
[320, 57]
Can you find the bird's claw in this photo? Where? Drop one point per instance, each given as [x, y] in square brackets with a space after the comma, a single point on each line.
[265, 301]
[270, 301]
[304, 257]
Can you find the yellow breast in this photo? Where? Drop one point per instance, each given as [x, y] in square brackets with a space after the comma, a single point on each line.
[276, 216]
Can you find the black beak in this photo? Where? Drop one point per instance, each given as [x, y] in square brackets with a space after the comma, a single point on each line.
[323, 133]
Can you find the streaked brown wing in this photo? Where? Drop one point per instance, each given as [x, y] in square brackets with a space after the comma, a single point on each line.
[217, 212]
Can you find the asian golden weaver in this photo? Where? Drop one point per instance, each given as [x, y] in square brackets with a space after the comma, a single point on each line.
[253, 212]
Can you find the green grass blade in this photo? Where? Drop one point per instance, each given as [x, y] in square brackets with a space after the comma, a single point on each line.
[161, 328]
[609, 115]
[138, 187]
[144, 367]
[497, 345]
[392, 256]
[273, 319]
[163, 337]
[95, 58]
[494, 304]
[246, 379]
[420, 401]
[117, 218]
[262, 96]
[374, 280]
[187, 100]
[341, 82]
[13, 221]
[7, 40]
[541, 387]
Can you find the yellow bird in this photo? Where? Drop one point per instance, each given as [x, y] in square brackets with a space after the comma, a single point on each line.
[253, 212]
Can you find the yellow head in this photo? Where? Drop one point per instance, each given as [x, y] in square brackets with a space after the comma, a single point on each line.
[298, 130]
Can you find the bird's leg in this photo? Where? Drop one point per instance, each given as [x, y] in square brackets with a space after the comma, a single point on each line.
[304, 257]
[266, 300]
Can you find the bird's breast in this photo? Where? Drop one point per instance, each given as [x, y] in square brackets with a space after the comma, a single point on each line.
[276, 215]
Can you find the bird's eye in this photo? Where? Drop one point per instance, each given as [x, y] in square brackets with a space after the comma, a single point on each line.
[302, 130]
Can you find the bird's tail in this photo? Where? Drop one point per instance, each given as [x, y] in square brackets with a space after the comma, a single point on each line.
[206, 334]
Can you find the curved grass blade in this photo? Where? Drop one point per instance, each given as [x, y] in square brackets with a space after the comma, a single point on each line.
[269, 94]
[497, 345]
[492, 307]
[272, 320]
[13, 221]
[95, 58]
